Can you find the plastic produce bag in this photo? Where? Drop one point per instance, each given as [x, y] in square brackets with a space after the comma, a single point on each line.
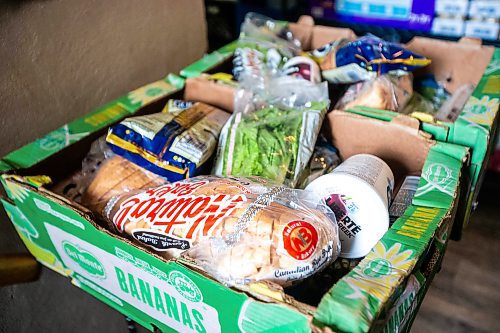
[175, 146]
[386, 92]
[239, 230]
[366, 58]
[264, 46]
[273, 129]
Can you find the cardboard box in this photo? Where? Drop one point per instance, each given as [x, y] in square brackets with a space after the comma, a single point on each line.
[451, 63]
[176, 295]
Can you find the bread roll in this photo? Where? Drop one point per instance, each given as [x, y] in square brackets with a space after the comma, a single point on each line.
[239, 230]
[116, 176]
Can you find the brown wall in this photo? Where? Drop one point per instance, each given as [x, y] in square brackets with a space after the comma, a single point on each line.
[59, 59]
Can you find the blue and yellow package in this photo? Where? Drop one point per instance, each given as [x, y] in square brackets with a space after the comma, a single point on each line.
[175, 146]
[364, 59]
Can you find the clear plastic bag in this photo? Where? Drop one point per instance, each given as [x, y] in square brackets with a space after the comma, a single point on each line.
[386, 92]
[237, 229]
[273, 129]
[264, 46]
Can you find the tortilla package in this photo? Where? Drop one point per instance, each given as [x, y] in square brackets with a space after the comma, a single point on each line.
[238, 229]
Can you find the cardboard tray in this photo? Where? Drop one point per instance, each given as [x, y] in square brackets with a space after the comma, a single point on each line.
[455, 63]
[382, 293]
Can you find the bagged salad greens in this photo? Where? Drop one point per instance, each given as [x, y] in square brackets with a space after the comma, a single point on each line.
[273, 129]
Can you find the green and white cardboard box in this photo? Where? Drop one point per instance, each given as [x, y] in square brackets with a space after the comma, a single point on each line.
[451, 62]
[381, 294]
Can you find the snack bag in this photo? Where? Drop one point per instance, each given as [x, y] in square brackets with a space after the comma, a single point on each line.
[175, 146]
[239, 230]
[386, 92]
[273, 129]
[366, 58]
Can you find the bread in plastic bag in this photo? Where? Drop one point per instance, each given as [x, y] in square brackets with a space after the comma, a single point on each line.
[386, 92]
[238, 229]
[273, 129]
[115, 176]
[174, 146]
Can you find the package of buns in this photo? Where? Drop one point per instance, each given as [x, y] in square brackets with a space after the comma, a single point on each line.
[238, 229]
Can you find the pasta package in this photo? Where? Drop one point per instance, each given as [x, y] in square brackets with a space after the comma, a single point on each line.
[238, 229]
[172, 145]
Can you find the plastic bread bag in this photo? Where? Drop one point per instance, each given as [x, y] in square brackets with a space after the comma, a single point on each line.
[368, 57]
[174, 146]
[238, 229]
[273, 129]
[386, 92]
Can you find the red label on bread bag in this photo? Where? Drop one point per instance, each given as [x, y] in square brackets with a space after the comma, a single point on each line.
[300, 239]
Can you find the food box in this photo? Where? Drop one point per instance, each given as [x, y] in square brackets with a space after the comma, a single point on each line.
[451, 62]
[382, 293]
[453, 27]
[482, 29]
[451, 7]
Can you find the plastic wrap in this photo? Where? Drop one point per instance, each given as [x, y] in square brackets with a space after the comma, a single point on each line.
[273, 129]
[324, 159]
[366, 58]
[264, 46]
[239, 230]
[175, 146]
[386, 92]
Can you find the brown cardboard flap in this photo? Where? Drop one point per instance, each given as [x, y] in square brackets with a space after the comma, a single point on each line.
[322, 35]
[202, 89]
[453, 63]
[302, 30]
[403, 147]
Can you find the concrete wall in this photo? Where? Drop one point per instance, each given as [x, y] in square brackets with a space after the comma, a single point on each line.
[59, 59]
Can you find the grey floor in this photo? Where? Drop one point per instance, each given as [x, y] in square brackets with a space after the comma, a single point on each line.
[465, 295]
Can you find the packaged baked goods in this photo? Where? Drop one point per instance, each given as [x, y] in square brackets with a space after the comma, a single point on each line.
[221, 94]
[273, 129]
[386, 92]
[366, 58]
[238, 229]
[115, 176]
[175, 146]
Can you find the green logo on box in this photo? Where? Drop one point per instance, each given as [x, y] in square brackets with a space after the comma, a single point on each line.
[185, 286]
[377, 268]
[84, 259]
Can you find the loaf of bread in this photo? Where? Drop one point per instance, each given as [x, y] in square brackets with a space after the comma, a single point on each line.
[116, 176]
[387, 92]
[239, 230]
